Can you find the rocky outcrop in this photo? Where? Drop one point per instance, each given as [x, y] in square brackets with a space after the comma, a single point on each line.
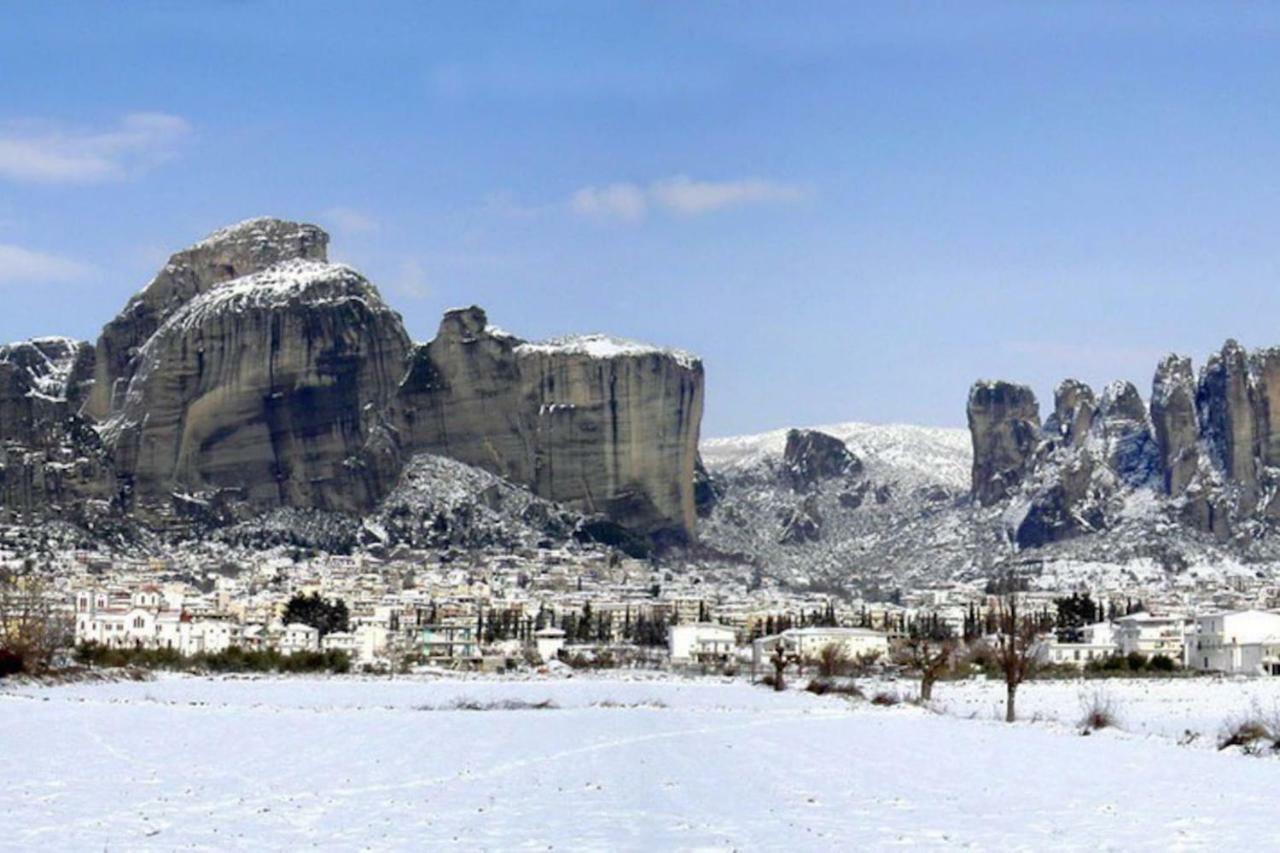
[1228, 420]
[1004, 424]
[811, 457]
[51, 461]
[272, 386]
[603, 425]
[251, 374]
[1174, 421]
[1130, 451]
[1074, 408]
[1207, 445]
[239, 250]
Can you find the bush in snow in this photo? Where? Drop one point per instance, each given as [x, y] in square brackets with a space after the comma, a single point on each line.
[1100, 712]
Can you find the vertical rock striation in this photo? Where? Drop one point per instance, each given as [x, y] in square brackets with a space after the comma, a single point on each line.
[604, 425]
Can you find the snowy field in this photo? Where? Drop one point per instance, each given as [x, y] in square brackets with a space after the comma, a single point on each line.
[344, 764]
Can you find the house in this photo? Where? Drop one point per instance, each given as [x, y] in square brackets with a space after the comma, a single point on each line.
[701, 642]
[450, 642]
[1241, 641]
[299, 637]
[1096, 642]
[807, 644]
[341, 641]
[549, 642]
[1151, 635]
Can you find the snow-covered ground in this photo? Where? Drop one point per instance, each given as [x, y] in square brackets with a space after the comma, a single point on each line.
[616, 764]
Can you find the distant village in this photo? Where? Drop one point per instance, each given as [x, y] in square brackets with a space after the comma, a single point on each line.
[567, 607]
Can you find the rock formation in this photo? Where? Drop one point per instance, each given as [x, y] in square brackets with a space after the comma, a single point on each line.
[270, 386]
[811, 456]
[250, 374]
[603, 425]
[1004, 424]
[1208, 446]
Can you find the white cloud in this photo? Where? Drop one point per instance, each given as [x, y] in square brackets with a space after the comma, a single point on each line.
[680, 195]
[43, 152]
[685, 195]
[411, 280]
[616, 201]
[26, 266]
[352, 221]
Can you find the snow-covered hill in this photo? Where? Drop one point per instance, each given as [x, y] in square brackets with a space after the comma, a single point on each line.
[900, 517]
[924, 455]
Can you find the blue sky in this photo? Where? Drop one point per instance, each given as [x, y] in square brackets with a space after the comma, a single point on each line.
[850, 213]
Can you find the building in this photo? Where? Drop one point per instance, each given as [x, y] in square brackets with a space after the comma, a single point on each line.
[1097, 642]
[701, 642]
[1151, 635]
[807, 644]
[450, 642]
[298, 637]
[1241, 641]
[549, 642]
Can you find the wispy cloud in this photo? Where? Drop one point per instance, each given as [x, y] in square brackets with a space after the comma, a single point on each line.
[679, 195]
[38, 151]
[615, 201]
[351, 221]
[411, 279]
[685, 195]
[28, 267]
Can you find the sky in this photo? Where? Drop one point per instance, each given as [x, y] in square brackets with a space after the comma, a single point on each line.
[850, 211]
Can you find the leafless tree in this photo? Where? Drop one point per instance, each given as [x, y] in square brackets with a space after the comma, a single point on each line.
[929, 656]
[31, 628]
[779, 659]
[1015, 648]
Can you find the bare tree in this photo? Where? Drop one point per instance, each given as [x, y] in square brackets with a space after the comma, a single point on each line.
[779, 659]
[31, 628]
[1015, 649]
[930, 656]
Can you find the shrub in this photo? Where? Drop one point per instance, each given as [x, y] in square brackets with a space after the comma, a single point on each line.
[823, 686]
[1099, 713]
[886, 699]
[1251, 734]
[11, 662]
[833, 660]
[1161, 663]
[1136, 661]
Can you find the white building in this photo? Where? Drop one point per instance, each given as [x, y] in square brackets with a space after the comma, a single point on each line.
[1242, 641]
[808, 644]
[701, 642]
[298, 637]
[549, 642]
[1151, 635]
[1097, 642]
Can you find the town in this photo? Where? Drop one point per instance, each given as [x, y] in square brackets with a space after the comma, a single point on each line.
[585, 607]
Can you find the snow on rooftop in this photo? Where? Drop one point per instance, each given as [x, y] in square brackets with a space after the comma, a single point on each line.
[606, 346]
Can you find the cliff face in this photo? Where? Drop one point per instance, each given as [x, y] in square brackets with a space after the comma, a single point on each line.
[238, 250]
[270, 386]
[603, 425]
[1004, 423]
[1206, 447]
[252, 374]
[51, 463]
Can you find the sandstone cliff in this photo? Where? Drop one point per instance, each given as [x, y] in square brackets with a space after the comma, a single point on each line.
[250, 374]
[603, 425]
